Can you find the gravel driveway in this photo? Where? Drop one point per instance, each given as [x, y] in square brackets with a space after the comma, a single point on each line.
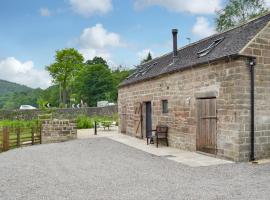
[100, 168]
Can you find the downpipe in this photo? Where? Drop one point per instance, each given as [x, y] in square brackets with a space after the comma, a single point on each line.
[251, 65]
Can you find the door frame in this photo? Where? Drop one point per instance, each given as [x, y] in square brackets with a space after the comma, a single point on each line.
[199, 121]
[123, 115]
[148, 105]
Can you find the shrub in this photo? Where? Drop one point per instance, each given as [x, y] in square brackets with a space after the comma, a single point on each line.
[84, 122]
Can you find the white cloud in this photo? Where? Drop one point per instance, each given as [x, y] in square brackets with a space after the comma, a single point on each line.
[97, 37]
[89, 54]
[267, 3]
[203, 28]
[23, 73]
[88, 8]
[97, 41]
[45, 12]
[144, 53]
[191, 6]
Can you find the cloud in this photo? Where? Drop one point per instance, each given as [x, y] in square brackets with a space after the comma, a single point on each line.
[88, 8]
[23, 73]
[45, 12]
[190, 6]
[267, 3]
[97, 41]
[89, 54]
[98, 37]
[144, 53]
[202, 27]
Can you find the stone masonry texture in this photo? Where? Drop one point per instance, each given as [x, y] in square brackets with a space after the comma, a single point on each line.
[259, 48]
[57, 113]
[229, 81]
[58, 131]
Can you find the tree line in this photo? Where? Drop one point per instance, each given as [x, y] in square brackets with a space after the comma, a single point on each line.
[89, 82]
[73, 81]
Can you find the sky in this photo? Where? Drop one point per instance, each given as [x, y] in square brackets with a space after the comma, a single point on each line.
[121, 31]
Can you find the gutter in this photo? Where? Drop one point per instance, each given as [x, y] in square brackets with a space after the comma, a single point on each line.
[251, 65]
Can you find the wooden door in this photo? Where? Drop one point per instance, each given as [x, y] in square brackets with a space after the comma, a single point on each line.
[138, 120]
[207, 125]
[124, 120]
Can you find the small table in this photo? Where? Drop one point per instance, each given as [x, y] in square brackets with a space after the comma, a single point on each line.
[106, 124]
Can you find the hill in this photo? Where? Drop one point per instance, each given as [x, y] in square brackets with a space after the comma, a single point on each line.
[12, 95]
[7, 88]
[7, 91]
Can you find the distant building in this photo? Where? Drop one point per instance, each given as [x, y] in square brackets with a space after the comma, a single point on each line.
[104, 104]
[213, 94]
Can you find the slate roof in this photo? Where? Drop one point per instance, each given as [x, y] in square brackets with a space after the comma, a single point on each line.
[233, 41]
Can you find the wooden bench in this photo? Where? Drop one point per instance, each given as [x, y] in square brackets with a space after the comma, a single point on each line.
[161, 132]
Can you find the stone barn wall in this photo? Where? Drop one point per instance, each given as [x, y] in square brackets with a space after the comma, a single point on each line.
[259, 47]
[228, 80]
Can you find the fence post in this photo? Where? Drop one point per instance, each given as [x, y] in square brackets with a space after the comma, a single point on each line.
[33, 135]
[5, 139]
[95, 128]
[18, 133]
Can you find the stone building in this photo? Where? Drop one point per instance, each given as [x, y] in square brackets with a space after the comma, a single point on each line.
[214, 94]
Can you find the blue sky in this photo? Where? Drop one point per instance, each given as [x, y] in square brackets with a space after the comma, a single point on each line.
[122, 31]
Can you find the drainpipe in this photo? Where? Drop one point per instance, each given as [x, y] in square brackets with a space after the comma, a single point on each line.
[251, 64]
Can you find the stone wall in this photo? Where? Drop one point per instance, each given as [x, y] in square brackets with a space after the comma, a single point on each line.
[227, 79]
[58, 131]
[230, 80]
[259, 47]
[57, 113]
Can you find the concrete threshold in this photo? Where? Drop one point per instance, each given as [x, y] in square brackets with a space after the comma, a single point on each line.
[260, 162]
[192, 159]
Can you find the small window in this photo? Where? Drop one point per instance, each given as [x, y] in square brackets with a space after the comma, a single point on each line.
[207, 50]
[165, 108]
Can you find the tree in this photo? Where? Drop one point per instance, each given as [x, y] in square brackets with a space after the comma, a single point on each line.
[68, 63]
[51, 95]
[148, 58]
[15, 100]
[97, 60]
[94, 83]
[239, 11]
[118, 76]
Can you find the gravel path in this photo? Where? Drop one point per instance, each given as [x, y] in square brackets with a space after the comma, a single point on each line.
[100, 168]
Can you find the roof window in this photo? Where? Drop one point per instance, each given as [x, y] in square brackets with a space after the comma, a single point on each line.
[207, 50]
[142, 70]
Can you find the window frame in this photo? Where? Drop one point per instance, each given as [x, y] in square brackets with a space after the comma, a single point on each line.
[208, 49]
[165, 110]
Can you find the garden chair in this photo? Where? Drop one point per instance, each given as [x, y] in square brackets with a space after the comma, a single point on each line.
[161, 133]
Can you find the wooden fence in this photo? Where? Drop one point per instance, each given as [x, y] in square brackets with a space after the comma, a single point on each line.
[14, 137]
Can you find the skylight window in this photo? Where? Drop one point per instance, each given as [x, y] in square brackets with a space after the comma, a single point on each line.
[207, 50]
[142, 70]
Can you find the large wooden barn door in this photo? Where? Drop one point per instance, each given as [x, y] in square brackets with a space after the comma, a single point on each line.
[207, 125]
[138, 120]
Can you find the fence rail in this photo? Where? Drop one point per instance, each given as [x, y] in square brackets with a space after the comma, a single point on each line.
[14, 137]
